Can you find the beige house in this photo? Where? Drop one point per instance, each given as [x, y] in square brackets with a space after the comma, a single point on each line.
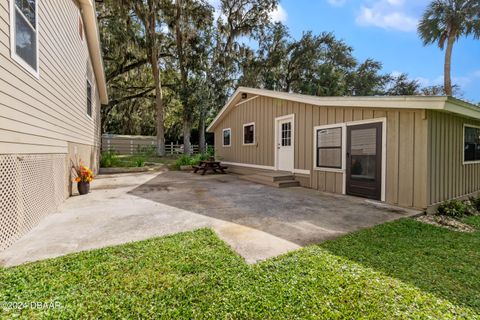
[52, 85]
[407, 151]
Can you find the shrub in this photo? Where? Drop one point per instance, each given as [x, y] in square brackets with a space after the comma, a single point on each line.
[475, 203]
[109, 159]
[455, 208]
[184, 160]
[139, 161]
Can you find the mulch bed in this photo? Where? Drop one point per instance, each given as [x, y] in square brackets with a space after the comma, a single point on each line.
[446, 222]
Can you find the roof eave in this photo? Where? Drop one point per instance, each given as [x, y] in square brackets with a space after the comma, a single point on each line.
[93, 40]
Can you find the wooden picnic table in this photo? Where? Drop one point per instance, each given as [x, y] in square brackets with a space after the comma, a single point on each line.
[205, 166]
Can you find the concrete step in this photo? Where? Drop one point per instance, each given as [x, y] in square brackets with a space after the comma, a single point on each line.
[269, 181]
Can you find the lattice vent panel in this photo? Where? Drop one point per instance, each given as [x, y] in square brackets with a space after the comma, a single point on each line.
[31, 187]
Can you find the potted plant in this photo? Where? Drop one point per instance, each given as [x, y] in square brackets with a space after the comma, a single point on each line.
[83, 179]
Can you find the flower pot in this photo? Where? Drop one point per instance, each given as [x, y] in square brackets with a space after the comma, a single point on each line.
[83, 187]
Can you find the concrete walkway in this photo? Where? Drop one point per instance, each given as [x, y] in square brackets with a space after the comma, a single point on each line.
[257, 221]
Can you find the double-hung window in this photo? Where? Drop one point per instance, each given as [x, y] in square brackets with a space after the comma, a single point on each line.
[24, 34]
[471, 144]
[329, 147]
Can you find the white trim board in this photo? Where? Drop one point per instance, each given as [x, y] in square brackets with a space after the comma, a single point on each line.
[257, 166]
[248, 165]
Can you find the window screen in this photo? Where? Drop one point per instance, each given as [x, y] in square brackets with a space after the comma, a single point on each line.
[329, 148]
[249, 134]
[227, 133]
[472, 144]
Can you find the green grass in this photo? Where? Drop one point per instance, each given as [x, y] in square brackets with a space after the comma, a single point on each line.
[436, 260]
[196, 275]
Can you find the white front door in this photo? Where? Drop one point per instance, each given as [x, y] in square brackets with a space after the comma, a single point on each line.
[285, 144]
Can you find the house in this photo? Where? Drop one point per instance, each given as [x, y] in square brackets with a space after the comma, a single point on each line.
[52, 85]
[408, 151]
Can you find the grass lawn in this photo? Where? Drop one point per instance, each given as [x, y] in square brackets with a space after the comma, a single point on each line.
[403, 269]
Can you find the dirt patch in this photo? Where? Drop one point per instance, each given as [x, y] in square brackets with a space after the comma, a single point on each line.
[446, 222]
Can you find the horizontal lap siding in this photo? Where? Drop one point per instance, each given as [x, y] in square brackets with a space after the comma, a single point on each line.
[449, 177]
[406, 154]
[43, 115]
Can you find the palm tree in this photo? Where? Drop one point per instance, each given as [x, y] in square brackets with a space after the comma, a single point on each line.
[447, 21]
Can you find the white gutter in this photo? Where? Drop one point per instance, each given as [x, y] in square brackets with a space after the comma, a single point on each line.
[93, 40]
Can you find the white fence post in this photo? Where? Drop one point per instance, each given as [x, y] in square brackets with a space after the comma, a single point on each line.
[171, 148]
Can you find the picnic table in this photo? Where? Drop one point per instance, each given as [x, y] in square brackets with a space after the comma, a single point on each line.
[205, 166]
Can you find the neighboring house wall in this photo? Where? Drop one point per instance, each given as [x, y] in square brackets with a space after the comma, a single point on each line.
[449, 177]
[44, 125]
[406, 154]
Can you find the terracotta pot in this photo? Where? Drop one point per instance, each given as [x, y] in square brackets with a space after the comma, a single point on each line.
[83, 187]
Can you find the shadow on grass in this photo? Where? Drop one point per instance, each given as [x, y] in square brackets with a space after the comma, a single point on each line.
[436, 260]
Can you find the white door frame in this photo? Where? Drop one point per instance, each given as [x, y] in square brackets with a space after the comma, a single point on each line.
[275, 141]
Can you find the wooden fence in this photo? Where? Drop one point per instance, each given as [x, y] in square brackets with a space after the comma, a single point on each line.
[123, 144]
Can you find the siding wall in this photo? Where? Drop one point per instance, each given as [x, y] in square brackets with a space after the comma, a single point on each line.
[43, 115]
[406, 154]
[449, 177]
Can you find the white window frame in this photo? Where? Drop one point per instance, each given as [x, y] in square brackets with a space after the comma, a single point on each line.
[343, 146]
[466, 125]
[223, 137]
[254, 134]
[13, 54]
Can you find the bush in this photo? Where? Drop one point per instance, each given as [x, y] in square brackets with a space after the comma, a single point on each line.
[139, 161]
[455, 208]
[184, 160]
[475, 203]
[109, 159]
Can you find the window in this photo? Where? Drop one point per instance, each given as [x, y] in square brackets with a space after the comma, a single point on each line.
[286, 134]
[249, 133]
[89, 99]
[329, 148]
[472, 144]
[24, 34]
[227, 137]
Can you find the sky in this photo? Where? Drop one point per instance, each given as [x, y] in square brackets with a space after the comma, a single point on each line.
[385, 30]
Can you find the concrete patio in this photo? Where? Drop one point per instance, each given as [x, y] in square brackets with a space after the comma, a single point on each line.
[257, 221]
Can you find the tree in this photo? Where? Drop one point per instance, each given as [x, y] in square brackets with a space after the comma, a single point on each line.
[400, 85]
[444, 22]
[148, 12]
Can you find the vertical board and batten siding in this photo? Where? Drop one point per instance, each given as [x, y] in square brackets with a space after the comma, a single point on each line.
[406, 154]
[43, 115]
[449, 177]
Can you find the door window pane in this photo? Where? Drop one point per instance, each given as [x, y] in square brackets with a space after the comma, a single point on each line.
[364, 154]
[472, 144]
[286, 134]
